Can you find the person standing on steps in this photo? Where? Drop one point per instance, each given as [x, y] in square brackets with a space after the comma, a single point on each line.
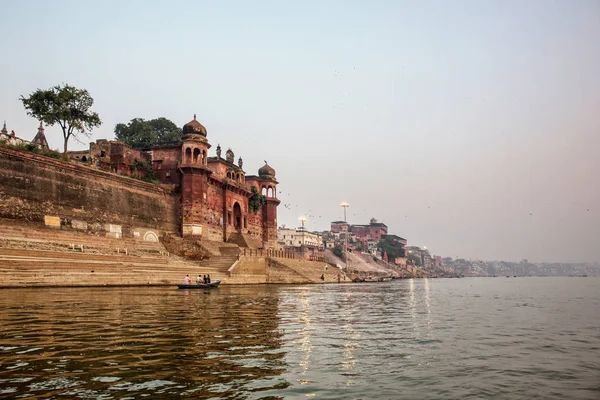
[322, 277]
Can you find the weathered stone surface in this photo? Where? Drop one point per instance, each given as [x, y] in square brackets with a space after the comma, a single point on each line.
[33, 186]
[80, 225]
[52, 221]
[192, 229]
[113, 228]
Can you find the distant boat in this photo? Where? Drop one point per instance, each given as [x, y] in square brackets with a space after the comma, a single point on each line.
[373, 279]
[199, 285]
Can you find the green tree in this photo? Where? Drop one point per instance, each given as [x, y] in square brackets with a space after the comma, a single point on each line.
[140, 133]
[338, 251]
[393, 248]
[256, 201]
[66, 106]
[416, 259]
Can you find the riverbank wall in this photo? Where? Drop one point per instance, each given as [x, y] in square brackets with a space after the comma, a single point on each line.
[72, 196]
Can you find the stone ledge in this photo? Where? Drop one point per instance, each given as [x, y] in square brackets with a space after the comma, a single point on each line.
[81, 169]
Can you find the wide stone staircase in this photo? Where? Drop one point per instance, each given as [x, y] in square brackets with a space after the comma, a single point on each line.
[237, 239]
[27, 234]
[244, 241]
[303, 271]
[34, 255]
[219, 264]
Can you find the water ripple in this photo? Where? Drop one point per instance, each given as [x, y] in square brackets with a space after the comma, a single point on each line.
[468, 338]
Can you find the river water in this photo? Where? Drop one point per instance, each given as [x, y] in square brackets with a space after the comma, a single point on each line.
[513, 338]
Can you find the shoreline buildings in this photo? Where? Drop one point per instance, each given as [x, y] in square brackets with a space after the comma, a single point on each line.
[218, 200]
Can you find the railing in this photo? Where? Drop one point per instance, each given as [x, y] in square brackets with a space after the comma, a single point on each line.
[269, 253]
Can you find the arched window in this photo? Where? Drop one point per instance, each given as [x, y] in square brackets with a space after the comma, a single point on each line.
[196, 154]
[270, 192]
[263, 191]
[188, 155]
[205, 158]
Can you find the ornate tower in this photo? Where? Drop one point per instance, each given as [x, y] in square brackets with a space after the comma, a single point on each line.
[266, 175]
[194, 177]
[40, 138]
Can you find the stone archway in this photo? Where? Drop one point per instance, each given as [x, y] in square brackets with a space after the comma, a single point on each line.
[237, 217]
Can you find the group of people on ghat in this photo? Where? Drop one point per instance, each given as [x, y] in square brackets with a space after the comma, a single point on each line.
[199, 280]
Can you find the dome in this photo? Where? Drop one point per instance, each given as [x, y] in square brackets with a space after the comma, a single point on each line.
[194, 127]
[266, 171]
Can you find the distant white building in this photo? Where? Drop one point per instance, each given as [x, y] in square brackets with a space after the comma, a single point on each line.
[299, 237]
[11, 139]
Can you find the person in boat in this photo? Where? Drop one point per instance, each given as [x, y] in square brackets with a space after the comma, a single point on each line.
[204, 280]
[199, 279]
[187, 280]
[208, 278]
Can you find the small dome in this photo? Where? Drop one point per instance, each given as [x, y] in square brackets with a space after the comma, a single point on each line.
[194, 127]
[266, 171]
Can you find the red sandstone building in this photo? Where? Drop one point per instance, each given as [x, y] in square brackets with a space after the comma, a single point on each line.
[215, 192]
[363, 233]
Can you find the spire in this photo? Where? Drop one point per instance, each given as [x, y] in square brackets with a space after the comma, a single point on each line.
[40, 138]
[4, 130]
[194, 117]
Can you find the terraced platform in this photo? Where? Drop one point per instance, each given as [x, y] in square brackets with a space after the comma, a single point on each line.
[33, 255]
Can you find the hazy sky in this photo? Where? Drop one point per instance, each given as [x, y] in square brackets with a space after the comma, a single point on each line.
[469, 127]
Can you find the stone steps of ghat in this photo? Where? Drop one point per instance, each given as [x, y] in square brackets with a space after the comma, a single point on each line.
[311, 270]
[29, 230]
[97, 278]
[220, 263]
[89, 243]
[77, 255]
[67, 264]
[43, 268]
[76, 238]
[31, 252]
[13, 256]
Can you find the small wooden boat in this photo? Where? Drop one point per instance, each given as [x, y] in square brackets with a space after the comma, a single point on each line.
[199, 285]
